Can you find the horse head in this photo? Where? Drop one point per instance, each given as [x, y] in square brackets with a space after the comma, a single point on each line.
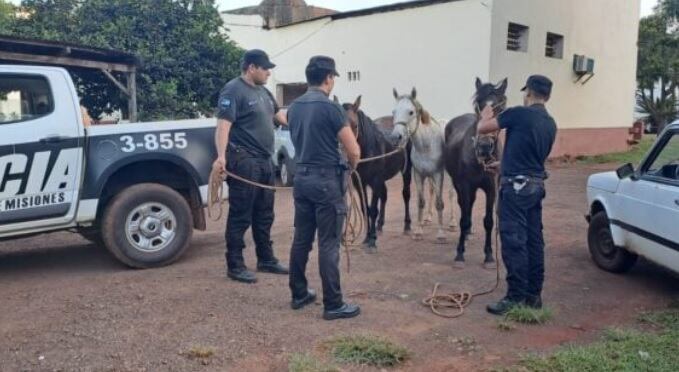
[408, 116]
[352, 110]
[485, 146]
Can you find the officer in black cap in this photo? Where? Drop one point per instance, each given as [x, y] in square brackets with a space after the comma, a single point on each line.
[531, 132]
[245, 144]
[317, 127]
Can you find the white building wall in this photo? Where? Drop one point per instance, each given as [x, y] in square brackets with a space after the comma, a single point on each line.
[605, 30]
[440, 49]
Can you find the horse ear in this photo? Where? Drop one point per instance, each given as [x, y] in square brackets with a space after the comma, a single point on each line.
[395, 93]
[413, 94]
[479, 84]
[502, 87]
[357, 103]
[335, 99]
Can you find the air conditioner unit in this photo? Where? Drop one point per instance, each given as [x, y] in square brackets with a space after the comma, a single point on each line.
[580, 64]
[590, 65]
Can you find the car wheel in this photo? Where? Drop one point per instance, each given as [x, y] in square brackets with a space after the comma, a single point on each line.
[286, 171]
[147, 225]
[602, 248]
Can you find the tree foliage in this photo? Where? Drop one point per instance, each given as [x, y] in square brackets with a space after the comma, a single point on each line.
[185, 52]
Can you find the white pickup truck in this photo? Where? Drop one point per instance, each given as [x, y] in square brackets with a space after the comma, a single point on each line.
[138, 188]
[635, 212]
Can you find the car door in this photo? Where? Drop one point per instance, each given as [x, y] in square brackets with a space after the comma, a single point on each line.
[40, 150]
[662, 169]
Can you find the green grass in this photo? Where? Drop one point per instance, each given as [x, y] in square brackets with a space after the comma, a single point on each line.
[528, 315]
[635, 155]
[309, 363]
[620, 350]
[367, 349]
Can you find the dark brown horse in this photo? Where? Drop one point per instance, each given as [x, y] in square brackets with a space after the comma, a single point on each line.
[467, 156]
[374, 174]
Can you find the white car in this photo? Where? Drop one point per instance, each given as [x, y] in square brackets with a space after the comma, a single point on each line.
[284, 155]
[635, 212]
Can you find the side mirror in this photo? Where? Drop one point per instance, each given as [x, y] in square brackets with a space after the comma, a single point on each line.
[625, 171]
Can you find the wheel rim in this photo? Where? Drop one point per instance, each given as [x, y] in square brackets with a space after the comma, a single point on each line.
[284, 174]
[605, 243]
[151, 227]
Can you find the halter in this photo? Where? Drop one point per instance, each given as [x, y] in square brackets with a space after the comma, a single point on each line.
[418, 111]
[498, 108]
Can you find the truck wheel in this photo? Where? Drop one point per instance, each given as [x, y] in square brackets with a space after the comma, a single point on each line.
[286, 171]
[604, 252]
[147, 225]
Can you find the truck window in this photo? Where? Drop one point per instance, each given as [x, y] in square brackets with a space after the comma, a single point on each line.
[24, 97]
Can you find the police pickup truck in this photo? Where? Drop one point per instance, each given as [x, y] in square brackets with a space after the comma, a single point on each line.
[635, 211]
[138, 188]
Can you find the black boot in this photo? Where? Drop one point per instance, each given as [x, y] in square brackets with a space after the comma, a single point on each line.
[298, 303]
[502, 307]
[534, 302]
[344, 312]
[242, 275]
[272, 268]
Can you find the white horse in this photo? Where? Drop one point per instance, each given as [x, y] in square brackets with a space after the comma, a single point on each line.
[413, 123]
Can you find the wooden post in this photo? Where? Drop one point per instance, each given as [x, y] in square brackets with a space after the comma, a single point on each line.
[132, 98]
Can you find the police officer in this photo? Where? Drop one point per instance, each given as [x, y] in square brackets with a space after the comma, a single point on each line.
[530, 135]
[316, 125]
[245, 144]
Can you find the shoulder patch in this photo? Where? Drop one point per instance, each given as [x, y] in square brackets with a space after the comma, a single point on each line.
[225, 103]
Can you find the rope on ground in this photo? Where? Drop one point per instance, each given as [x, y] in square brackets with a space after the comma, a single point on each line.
[456, 302]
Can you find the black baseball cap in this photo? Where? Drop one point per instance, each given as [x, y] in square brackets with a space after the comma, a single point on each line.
[322, 63]
[539, 84]
[258, 58]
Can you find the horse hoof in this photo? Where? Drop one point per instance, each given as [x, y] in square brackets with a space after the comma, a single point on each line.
[452, 228]
[417, 236]
[458, 264]
[489, 265]
[370, 250]
[441, 240]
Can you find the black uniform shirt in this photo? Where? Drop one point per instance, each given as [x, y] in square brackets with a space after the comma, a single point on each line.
[250, 109]
[531, 132]
[314, 122]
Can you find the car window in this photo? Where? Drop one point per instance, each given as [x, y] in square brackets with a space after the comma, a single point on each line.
[24, 97]
[666, 164]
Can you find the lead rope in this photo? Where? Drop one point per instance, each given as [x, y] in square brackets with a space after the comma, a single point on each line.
[356, 220]
[457, 302]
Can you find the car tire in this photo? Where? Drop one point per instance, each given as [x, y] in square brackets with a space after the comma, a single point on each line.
[286, 171]
[602, 248]
[147, 225]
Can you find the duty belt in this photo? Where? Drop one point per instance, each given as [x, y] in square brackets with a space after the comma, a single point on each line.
[519, 182]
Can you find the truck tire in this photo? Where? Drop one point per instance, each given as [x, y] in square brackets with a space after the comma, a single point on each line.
[602, 248]
[147, 225]
[287, 171]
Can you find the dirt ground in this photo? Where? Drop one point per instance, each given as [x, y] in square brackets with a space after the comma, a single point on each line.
[67, 305]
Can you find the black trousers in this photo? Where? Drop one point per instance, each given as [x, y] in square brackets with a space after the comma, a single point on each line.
[522, 240]
[319, 207]
[249, 206]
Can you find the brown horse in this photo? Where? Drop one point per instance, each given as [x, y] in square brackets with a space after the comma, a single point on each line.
[375, 173]
[467, 156]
